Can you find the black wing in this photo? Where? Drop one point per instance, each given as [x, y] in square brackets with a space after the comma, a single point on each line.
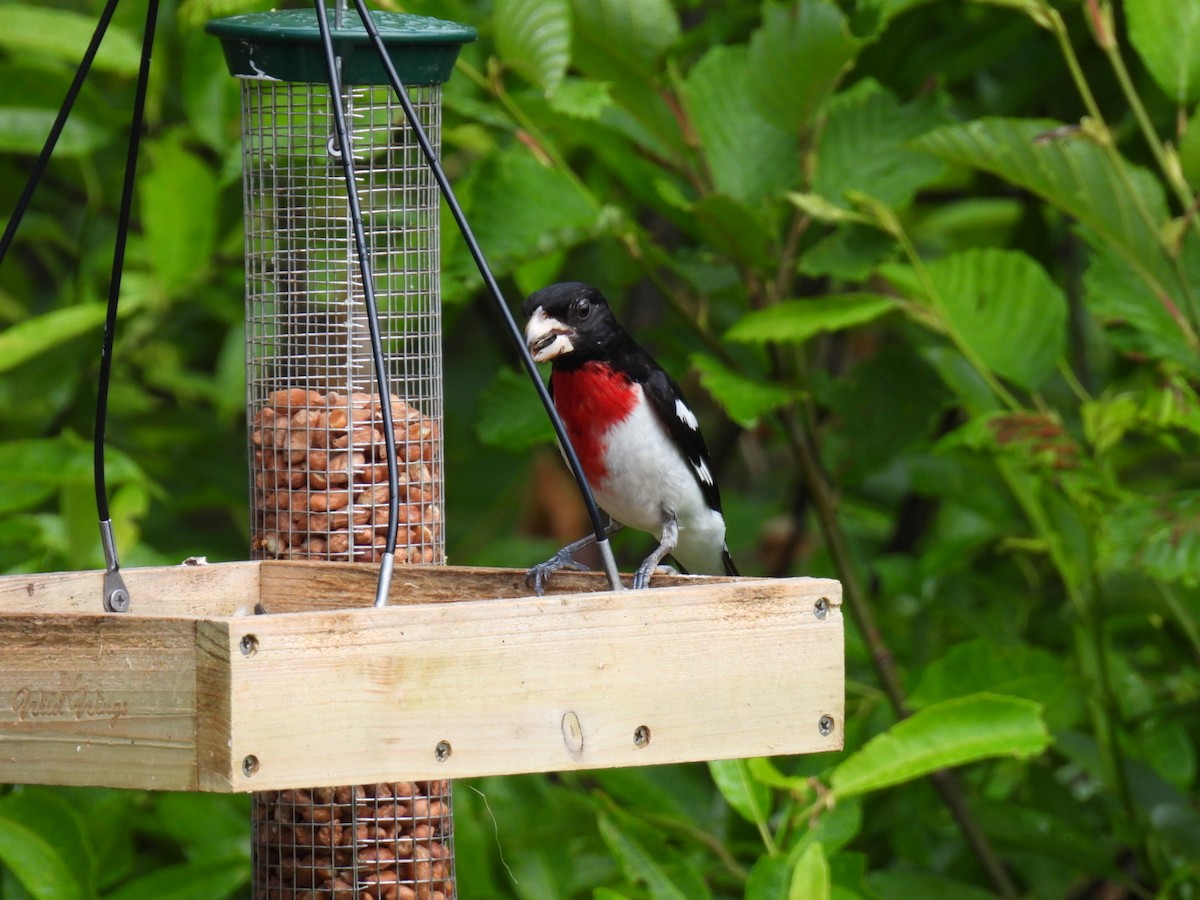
[677, 417]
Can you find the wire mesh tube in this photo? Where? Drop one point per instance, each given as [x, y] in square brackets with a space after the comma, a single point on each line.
[319, 482]
[375, 842]
[319, 479]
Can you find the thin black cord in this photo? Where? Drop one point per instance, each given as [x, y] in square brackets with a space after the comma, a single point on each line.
[598, 525]
[114, 288]
[364, 263]
[64, 111]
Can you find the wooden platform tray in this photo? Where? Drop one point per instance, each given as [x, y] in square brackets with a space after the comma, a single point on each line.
[463, 675]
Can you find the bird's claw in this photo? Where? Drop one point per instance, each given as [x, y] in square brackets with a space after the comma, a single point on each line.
[536, 577]
[641, 578]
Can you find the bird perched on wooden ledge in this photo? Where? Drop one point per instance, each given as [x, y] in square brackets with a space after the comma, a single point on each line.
[636, 438]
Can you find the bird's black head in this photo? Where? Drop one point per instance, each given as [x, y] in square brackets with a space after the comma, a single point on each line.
[570, 322]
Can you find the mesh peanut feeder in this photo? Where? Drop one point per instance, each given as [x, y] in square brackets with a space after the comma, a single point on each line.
[320, 485]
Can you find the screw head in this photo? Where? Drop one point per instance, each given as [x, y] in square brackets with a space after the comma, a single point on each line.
[825, 725]
[250, 765]
[118, 600]
[442, 751]
[248, 645]
[821, 608]
[641, 736]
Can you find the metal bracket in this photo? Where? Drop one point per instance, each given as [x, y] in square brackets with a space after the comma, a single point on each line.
[116, 595]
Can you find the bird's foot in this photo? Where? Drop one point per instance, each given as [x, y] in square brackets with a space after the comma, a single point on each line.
[536, 577]
[641, 578]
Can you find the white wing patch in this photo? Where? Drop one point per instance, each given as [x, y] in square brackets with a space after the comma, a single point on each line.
[702, 471]
[688, 418]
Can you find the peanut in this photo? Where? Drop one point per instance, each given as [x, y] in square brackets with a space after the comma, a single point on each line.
[325, 502]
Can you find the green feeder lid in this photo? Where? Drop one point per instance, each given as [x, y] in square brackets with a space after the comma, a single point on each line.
[285, 45]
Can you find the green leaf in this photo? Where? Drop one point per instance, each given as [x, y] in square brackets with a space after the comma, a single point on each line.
[40, 334]
[748, 157]
[581, 98]
[33, 469]
[534, 37]
[817, 207]
[510, 414]
[1048, 835]
[51, 818]
[521, 209]
[951, 733]
[210, 96]
[205, 826]
[179, 213]
[1156, 535]
[811, 877]
[745, 400]
[36, 863]
[1004, 306]
[24, 130]
[834, 828]
[796, 321]
[646, 858]
[850, 253]
[926, 885]
[796, 57]
[1123, 207]
[763, 770]
[1166, 34]
[1115, 293]
[64, 34]
[208, 879]
[735, 230]
[1019, 670]
[768, 879]
[865, 146]
[618, 38]
[750, 798]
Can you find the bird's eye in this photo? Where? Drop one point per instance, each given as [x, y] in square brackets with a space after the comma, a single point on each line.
[583, 309]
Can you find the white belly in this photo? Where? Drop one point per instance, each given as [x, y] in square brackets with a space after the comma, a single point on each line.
[647, 476]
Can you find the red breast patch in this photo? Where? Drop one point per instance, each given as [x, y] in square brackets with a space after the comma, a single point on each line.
[591, 400]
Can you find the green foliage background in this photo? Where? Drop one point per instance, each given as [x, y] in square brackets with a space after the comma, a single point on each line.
[929, 270]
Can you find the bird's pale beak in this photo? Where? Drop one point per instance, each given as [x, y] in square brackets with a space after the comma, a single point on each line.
[547, 337]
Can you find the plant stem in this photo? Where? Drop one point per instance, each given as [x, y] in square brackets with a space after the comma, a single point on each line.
[825, 505]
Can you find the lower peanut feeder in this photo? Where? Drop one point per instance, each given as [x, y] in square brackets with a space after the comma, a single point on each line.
[374, 842]
[321, 479]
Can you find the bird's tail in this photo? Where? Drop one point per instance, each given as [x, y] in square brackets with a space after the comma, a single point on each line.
[730, 568]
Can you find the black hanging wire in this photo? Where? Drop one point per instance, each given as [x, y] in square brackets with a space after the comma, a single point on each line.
[346, 152]
[64, 111]
[435, 166]
[116, 595]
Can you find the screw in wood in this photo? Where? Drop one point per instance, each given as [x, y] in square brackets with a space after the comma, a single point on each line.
[825, 725]
[641, 736]
[821, 608]
[250, 765]
[248, 645]
[442, 751]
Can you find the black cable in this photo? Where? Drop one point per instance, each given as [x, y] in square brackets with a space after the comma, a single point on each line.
[114, 288]
[593, 510]
[64, 111]
[364, 264]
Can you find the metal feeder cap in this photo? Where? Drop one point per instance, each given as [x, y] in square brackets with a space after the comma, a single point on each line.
[285, 45]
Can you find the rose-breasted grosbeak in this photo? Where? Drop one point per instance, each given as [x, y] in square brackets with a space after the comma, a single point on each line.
[636, 438]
